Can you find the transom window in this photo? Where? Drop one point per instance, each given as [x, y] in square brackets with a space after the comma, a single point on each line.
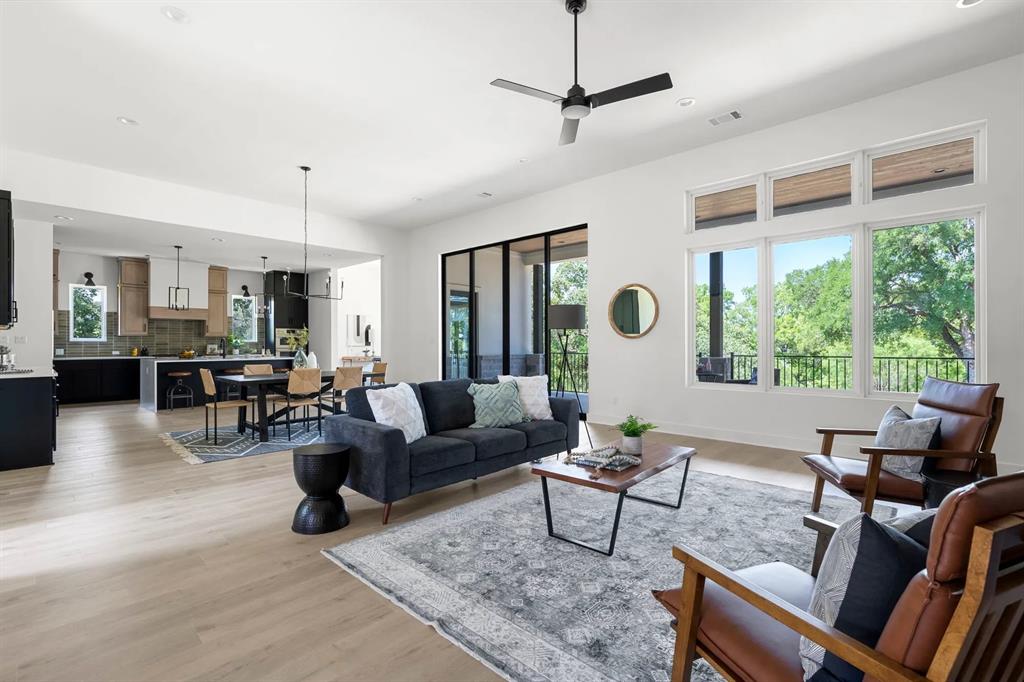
[87, 313]
[728, 207]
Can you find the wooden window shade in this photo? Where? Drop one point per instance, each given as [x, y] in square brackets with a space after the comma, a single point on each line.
[728, 207]
[942, 165]
[813, 190]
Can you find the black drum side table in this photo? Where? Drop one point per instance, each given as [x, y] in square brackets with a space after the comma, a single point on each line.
[320, 470]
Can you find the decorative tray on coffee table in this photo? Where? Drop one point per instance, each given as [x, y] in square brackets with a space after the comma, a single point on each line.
[609, 458]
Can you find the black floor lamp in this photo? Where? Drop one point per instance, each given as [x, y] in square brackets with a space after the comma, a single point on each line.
[563, 319]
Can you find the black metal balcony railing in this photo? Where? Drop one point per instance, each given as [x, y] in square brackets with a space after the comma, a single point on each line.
[889, 373]
[577, 365]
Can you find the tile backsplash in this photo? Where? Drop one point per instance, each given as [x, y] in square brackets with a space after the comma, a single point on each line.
[166, 337]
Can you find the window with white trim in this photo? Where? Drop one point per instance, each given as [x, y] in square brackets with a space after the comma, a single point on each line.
[725, 316]
[936, 166]
[87, 313]
[725, 207]
[244, 318]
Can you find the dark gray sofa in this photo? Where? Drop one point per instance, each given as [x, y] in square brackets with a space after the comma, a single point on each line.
[385, 468]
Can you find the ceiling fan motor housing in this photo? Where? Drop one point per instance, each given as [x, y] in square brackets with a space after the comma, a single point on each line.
[575, 6]
[576, 103]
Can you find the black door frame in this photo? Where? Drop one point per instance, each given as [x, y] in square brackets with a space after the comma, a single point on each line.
[506, 299]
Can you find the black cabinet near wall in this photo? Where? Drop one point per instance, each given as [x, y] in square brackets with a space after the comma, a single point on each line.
[284, 311]
[27, 422]
[95, 381]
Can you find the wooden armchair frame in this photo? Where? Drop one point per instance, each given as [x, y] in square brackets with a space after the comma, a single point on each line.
[985, 456]
[977, 644]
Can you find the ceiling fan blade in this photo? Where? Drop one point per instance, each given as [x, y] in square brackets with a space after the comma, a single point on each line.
[526, 90]
[635, 89]
[569, 128]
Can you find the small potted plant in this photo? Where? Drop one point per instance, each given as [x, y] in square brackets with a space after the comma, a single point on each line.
[633, 430]
[235, 343]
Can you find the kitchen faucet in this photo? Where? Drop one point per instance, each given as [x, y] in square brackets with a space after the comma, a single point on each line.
[223, 345]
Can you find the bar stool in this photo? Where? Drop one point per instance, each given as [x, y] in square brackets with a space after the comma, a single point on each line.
[178, 390]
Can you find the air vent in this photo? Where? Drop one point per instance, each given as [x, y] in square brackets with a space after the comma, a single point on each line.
[485, 195]
[725, 118]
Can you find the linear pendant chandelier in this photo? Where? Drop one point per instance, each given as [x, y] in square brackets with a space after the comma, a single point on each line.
[304, 294]
[177, 296]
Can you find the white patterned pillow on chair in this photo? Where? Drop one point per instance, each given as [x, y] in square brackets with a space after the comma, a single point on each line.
[898, 430]
[397, 406]
[533, 395]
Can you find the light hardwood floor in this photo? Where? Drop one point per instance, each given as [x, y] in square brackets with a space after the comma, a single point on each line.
[123, 562]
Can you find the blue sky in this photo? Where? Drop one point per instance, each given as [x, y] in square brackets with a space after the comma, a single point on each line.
[741, 264]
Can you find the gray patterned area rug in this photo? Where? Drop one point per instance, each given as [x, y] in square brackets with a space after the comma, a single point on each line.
[487, 576]
[194, 448]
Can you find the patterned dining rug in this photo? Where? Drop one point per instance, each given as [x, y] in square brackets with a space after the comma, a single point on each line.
[487, 577]
[194, 448]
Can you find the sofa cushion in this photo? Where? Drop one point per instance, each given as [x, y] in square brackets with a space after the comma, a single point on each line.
[489, 442]
[866, 568]
[533, 394]
[398, 407]
[356, 404]
[540, 432]
[496, 405]
[447, 404]
[434, 453]
[752, 643]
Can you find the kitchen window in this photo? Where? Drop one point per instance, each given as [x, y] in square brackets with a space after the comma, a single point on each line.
[243, 318]
[88, 313]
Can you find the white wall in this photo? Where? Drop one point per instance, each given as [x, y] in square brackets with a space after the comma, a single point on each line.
[362, 297]
[72, 268]
[31, 339]
[323, 322]
[636, 221]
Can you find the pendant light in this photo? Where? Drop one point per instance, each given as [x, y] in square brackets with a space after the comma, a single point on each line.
[177, 296]
[304, 294]
[261, 306]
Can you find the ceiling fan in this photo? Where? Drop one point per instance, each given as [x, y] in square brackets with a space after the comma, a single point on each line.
[577, 103]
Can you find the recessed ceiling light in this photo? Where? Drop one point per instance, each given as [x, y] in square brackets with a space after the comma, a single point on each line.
[523, 160]
[686, 102]
[64, 217]
[417, 198]
[217, 239]
[175, 14]
[964, 4]
[125, 121]
[939, 170]
[485, 195]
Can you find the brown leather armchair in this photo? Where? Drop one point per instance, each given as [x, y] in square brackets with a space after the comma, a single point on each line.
[958, 619]
[970, 416]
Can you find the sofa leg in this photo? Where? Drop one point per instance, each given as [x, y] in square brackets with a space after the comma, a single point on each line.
[819, 489]
[387, 513]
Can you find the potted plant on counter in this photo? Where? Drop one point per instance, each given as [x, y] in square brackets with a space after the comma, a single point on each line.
[633, 430]
[235, 343]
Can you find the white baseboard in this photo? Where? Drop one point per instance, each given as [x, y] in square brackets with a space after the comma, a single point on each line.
[810, 444]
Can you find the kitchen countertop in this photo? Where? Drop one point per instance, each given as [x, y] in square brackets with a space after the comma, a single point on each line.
[215, 358]
[35, 373]
[58, 358]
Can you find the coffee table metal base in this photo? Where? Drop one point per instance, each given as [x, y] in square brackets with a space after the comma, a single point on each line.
[618, 513]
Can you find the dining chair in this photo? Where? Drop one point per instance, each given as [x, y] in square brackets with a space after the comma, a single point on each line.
[212, 403]
[380, 368]
[344, 379]
[303, 391]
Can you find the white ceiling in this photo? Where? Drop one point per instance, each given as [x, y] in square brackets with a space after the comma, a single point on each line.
[390, 100]
[107, 235]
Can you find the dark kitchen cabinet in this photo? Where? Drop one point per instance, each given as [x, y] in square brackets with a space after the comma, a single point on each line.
[27, 420]
[284, 311]
[94, 381]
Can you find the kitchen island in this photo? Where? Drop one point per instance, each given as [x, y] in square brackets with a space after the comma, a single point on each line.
[154, 382]
[28, 414]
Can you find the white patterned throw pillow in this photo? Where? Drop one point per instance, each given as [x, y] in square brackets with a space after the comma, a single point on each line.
[533, 394]
[898, 430]
[397, 406]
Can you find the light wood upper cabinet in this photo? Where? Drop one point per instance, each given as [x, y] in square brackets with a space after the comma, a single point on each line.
[218, 279]
[133, 298]
[134, 272]
[217, 318]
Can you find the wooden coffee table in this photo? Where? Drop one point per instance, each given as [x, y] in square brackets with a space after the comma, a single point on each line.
[657, 457]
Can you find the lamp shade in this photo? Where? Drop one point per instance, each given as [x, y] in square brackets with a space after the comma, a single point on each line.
[573, 316]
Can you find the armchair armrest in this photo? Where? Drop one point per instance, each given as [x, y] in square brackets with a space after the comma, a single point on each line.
[567, 411]
[825, 529]
[378, 459]
[840, 431]
[945, 454]
[698, 568]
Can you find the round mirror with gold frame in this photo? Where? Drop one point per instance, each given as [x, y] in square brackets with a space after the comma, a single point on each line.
[633, 311]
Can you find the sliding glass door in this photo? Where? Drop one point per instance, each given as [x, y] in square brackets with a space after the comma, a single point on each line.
[495, 302]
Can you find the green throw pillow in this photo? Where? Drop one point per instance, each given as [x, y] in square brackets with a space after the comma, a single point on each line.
[496, 405]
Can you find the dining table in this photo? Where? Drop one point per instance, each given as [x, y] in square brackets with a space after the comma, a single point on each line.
[273, 385]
